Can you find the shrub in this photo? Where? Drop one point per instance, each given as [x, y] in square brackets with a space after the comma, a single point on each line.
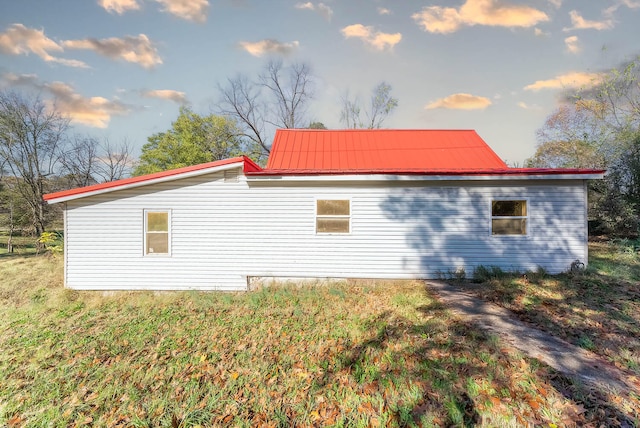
[52, 241]
[484, 274]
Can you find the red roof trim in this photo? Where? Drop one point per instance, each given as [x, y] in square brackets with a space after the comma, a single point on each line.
[248, 167]
[508, 171]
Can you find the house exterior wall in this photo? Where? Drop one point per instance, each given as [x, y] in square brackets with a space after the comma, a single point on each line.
[223, 232]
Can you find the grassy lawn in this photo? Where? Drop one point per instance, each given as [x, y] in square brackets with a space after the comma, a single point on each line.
[21, 244]
[343, 354]
[598, 309]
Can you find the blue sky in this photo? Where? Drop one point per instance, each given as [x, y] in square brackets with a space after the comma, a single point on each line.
[122, 68]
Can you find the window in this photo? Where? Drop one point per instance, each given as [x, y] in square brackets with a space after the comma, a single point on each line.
[156, 225]
[333, 216]
[509, 217]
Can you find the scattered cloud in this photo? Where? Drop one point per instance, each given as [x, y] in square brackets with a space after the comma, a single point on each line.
[376, 39]
[119, 6]
[20, 40]
[269, 46]
[556, 3]
[166, 94]
[444, 20]
[461, 102]
[383, 11]
[29, 80]
[191, 10]
[572, 44]
[573, 79]
[91, 111]
[322, 9]
[139, 50]
[526, 106]
[538, 32]
[631, 4]
[579, 23]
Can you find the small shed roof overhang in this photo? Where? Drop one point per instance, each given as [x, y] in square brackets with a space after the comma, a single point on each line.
[244, 162]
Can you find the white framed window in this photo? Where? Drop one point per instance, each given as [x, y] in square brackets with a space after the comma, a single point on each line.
[333, 216]
[509, 217]
[157, 232]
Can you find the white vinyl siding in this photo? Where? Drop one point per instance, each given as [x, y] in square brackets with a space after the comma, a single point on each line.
[223, 232]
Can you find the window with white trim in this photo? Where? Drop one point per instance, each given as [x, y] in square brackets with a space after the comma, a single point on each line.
[156, 232]
[333, 216]
[509, 217]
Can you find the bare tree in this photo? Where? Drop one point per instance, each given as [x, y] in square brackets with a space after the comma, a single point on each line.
[289, 95]
[116, 162]
[279, 98]
[79, 161]
[241, 100]
[615, 99]
[350, 113]
[85, 161]
[30, 137]
[381, 105]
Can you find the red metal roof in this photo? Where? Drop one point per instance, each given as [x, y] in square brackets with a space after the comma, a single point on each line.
[379, 151]
[339, 152]
[248, 166]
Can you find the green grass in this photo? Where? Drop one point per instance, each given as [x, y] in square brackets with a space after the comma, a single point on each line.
[22, 245]
[598, 309]
[362, 353]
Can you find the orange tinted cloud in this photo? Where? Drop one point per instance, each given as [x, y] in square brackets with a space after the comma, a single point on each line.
[90, 111]
[20, 40]
[461, 101]
[573, 79]
[375, 39]
[166, 94]
[443, 20]
[191, 10]
[136, 49]
[269, 46]
[119, 6]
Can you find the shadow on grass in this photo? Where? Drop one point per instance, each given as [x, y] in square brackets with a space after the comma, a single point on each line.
[594, 408]
[9, 256]
[595, 310]
[447, 361]
[464, 376]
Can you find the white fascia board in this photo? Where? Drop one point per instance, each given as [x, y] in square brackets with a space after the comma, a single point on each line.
[410, 178]
[146, 182]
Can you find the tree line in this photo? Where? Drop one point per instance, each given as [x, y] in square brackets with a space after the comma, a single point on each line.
[40, 154]
[599, 127]
[595, 127]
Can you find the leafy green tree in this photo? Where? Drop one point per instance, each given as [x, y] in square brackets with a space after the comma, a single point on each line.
[194, 139]
[317, 125]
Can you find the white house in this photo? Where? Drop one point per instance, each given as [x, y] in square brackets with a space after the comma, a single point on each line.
[348, 203]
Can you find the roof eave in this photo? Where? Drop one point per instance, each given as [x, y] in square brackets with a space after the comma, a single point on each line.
[479, 175]
[129, 183]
